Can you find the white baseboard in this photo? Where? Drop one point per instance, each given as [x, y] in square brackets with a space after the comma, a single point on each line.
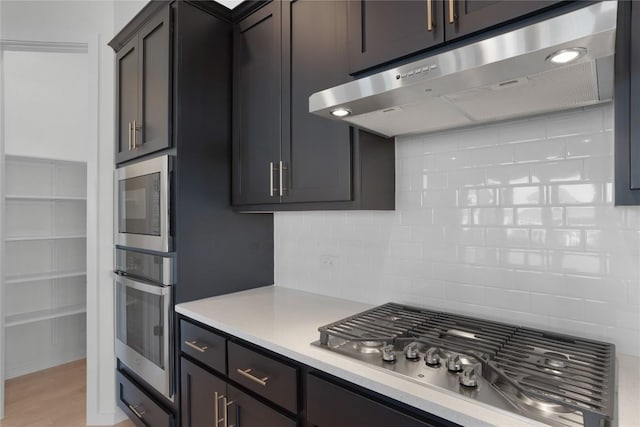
[106, 418]
[35, 367]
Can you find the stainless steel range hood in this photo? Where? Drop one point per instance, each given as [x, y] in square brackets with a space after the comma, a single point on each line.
[506, 76]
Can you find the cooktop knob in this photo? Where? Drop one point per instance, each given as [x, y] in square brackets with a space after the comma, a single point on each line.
[454, 364]
[468, 377]
[388, 353]
[411, 351]
[431, 357]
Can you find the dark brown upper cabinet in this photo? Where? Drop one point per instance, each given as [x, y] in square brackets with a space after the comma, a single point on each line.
[627, 105]
[256, 105]
[382, 31]
[284, 157]
[143, 76]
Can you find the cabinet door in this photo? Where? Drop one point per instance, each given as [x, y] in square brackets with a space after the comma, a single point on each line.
[329, 405]
[152, 131]
[381, 31]
[245, 411]
[316, 151]
[201, 394]
[463, 17]
[126, 98]
[256, 106]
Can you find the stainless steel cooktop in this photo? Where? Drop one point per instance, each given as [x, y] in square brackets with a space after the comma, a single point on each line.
[557, 379]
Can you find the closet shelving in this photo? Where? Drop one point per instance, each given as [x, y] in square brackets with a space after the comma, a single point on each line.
[44, 278]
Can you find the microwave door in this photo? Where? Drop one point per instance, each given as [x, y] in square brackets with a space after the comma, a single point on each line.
[142, 205]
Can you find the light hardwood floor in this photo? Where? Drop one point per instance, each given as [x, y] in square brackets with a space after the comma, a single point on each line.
[55, 397]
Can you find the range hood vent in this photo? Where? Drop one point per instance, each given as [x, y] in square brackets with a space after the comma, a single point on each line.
[503, 77]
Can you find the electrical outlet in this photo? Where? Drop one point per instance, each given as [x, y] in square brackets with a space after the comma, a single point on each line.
[328, 261]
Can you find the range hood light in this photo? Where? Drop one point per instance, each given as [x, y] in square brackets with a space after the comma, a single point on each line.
[565, 56]
[340, 112]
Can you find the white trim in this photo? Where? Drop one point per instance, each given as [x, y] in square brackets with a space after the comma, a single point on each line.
[93, 331]
[2, 347]
[40, 46]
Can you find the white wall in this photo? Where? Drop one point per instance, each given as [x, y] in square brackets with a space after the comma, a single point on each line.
[90, 22]
[45, 99]
[511, 221]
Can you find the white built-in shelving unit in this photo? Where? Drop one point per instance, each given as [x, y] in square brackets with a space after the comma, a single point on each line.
[44, 277]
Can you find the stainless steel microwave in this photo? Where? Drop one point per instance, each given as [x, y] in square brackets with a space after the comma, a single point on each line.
[143, 210]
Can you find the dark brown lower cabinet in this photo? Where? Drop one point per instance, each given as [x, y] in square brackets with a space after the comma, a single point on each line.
[329, 405]
[205, 396]
[142, 409]
[200, 391]
[245, 411]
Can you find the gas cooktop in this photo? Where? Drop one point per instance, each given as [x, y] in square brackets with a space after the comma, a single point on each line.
[557, 379]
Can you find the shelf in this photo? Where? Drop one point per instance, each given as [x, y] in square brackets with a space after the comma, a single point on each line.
[22, 158]
[36, 316]
[28, 238]
[21, 278]
[25, 197]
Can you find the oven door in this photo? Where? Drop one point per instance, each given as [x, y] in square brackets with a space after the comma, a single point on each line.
[143, 331]
[142, 205]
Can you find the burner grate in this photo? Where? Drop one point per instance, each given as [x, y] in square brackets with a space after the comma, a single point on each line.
[463, 333]
[384, 323]
[551, 370]
[576, 372]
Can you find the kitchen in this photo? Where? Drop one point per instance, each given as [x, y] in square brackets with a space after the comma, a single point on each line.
[511, 222]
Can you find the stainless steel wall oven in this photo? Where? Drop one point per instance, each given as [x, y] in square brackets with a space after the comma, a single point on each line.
[144, 312]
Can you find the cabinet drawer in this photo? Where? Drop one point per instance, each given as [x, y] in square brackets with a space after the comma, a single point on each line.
[243, 408]
[140, 407]
[329, 405]
[203, 345]
[270, 378]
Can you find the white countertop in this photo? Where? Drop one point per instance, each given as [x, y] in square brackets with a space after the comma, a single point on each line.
[286, 321]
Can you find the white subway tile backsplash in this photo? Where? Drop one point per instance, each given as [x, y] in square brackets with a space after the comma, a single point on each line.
[511, 221]
[579, 122]
[491, 156]
[466, 178]
[530, 195]
[594, 145]
[568, 170]
[576, 194]
[508, 175]
[521, 131]
[539, 151]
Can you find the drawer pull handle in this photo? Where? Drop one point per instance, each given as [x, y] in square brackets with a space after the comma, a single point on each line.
[194, 345]
[247, 374]
[139, 412]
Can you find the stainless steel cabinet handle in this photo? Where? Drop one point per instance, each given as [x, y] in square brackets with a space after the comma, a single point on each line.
[139, 412]
[194, 345]
[281, 171]
[270, 179]
[452, 16]
[216, 411]
[226, 411]
[429, 15]
[129, 134]
[135, 130]
[247, 374]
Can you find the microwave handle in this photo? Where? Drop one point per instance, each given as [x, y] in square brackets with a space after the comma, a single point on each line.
[144, 287]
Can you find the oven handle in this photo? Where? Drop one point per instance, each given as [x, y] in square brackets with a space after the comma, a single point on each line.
[140, 286]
